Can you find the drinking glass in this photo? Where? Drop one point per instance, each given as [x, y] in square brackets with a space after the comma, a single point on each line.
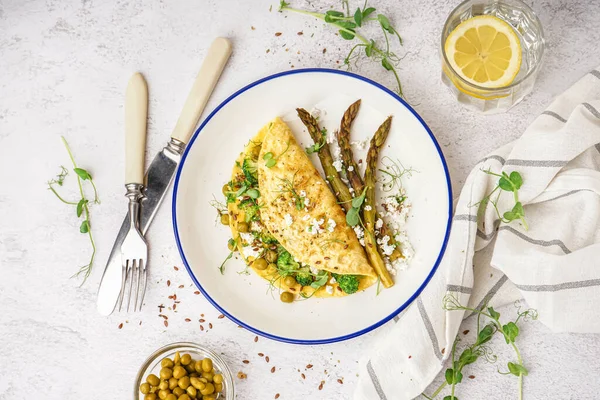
[529, 30]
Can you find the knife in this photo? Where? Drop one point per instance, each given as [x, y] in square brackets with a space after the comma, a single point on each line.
[163, 167]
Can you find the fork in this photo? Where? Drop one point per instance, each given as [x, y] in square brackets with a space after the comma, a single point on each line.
[134, 250]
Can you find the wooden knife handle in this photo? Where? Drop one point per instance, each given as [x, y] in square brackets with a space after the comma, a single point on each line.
[136, 116]
[207, 78]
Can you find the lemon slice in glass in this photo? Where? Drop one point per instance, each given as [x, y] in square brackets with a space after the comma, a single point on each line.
[485, 51]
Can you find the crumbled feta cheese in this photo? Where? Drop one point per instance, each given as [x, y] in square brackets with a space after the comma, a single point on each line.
[360, 234]
[303, 193]
[247, 237]
[338, 165]
[359, 144]
[387, 248]
[368, 208]
[250, 252]
[314, 271]
[318, 113]
[331, 225]
[288, 219]
[315, 226]
[378, 223]
[332, 280]
[306, 202]
[351, 168]
[306, 217]
[329, 289]
[256, 226]
[351, 190]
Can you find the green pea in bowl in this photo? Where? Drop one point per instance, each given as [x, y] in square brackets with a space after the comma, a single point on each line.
[176, 380]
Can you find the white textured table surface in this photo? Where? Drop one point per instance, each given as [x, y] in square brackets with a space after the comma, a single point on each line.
[64, 66]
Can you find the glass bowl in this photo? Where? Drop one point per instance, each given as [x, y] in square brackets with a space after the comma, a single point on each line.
[152, 366]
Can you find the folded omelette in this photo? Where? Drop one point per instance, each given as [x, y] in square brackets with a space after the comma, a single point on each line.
[286, 223]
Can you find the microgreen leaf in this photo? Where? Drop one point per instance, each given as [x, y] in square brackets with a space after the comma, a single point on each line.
[518, 209]
[511, 331]
[82, 173]
[449, 375]
[485, 335]
[352, 217]
[80, 205]
[346, 25]
[346, 35]
[241, 191]
[510, 216]
[253, 193]
[334, 13]
[505, 184]
[84, 227]
[495, 315]
[320, 279]
[517, 369]
[385, 23]
[386, 64]
[368, 11]
[516, 179]
[458, 377]
[369, 48]
[358, 201]
[450, 397]
[270, 163]
[222, 266]
[467, 357]
[358, 17]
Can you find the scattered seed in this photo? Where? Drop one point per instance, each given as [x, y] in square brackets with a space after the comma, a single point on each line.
[277, 33]
[341, 382]
[309, 366]
[202, 315]
[321, 385]
[197, 292]
[273, 370]
[181, 286]
[300, 33]
[409, 356]
[168, 283]
[140, 322]
[255, 339]
[277, 396]
[174, 307]
[121, 325]
[176, 269]
[201, 320]
[324, 51]
[166, 323]
[201, 328]
[465, 332]
[221, 316]
[267, 358]
[209, 325]
[260, 354]
[303, 376]
[443, 350]
[253, 28]
[187, 320]
[471, 376]
[246, 362]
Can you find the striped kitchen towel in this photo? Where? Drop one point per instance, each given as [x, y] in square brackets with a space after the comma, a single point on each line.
[554, 265]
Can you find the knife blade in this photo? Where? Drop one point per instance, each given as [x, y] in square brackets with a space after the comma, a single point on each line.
[163, 167]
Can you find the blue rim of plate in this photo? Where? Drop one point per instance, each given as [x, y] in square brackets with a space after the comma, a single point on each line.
[327, 340]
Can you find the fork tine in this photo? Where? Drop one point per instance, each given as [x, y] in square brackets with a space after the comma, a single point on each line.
[131, 274]
[123, 280]
[143, 285]
[137, 286]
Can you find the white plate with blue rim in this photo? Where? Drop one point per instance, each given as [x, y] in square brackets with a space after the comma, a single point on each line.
[207, 163]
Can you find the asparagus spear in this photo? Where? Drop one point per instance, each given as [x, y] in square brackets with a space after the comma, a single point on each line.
[369, 214]
[339, 187]
[343, 137]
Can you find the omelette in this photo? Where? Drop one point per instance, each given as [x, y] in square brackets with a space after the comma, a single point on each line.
[286, 223]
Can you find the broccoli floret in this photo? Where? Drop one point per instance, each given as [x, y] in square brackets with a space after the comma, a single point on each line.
[286, 263]
[250, 171]
[348, 283]
[304, 277]
[267, 238]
